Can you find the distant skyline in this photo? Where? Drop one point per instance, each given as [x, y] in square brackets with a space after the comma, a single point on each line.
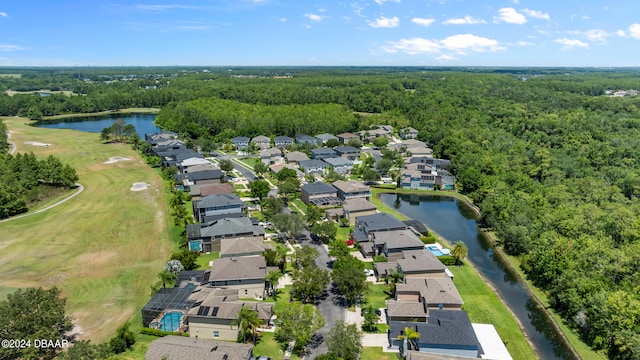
[320, 33]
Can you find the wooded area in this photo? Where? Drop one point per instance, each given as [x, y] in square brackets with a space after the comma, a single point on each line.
[546, 154]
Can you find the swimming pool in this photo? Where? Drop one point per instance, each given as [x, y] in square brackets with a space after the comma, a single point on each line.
[435, 250]
[171, 321]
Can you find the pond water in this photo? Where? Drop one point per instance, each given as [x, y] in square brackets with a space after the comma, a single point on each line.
[142, 122]
[454, 221]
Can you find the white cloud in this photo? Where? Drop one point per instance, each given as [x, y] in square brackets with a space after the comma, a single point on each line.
[511, 16]
[413, 46]
[423, 21]
[571, 43]
[596, 35]
[445, 57]
[322, 10]
[467, 20]
[3, 14]
[381, 2]
[634, 31]
[283, 19]
[516, 1]
[191, 27]
[9, 48]
[537, 14]
[621, 33]
[385, 22]
[314, 17]
[458, 44]
[523, 43]
[471, 42]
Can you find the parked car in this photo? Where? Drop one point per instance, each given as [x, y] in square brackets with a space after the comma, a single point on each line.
[369, 272]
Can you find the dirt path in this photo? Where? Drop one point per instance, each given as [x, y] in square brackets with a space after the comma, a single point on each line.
[14, 148]
[80, 189]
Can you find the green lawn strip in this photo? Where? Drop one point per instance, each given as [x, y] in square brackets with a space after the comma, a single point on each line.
[343, 232]
[384, 208]
[268, 346]
[484, 306]
[376, 353]
[204, 259]
[103, 248]
[248, 163]
[376, 296]
[282, 298]
[302, 208]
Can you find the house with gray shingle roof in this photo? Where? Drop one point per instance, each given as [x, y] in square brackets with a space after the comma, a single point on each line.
[306, 139]
[436, 293]
[323, 138]
[340, 165]
[240, 142]
[322, 153]
[173, 347]
[215, 310]
[319, 194]
[296, 157]
[218, 204]
[206, 238]
[244, 274]
[392, 244]
[243, 246]
[348, 152]
[378, 222]
[352, 189]
[408, 133]
[271, 156]
[313, 166]
[262, 142]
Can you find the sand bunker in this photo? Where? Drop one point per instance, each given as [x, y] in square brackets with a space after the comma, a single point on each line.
[115, 159]
[139, 186]
[36, 143]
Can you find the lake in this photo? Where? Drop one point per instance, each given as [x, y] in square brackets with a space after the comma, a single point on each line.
[142, 122]
[454, 220]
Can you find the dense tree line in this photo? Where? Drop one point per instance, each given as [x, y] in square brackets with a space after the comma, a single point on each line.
[547, 156]
[24, 179]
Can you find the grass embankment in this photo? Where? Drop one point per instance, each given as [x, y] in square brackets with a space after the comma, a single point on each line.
[101, 113]
[103, 248]
[481, 303]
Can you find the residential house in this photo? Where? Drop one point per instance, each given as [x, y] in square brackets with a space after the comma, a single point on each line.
[216, 309]
[277, 167]
[345, 137]
[352, 189]
[446, 332]
[294, 157]
[339, 164]
[421, 263]
[262, 142]
[322, 153]
[198, 191]
[355, 207]
[409, 143]
[186, 164]
[313, 166]
[164, 135]
[185, 181]
[323, 138]
[393, 243]
[201, 167]
[240, 142]
[371, 134]
[306, 139]
[412, 177]
[420, 151]
[218, 204]
[437, 293]
[206, 237]
[366, 225]
[271, 156]
[243, 246]
[173, 347]
[282, 141]
[319, 194]
[244, 274]
[408, 133]
[348, 152]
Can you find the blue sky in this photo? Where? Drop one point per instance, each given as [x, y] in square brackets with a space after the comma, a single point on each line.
[323, 32]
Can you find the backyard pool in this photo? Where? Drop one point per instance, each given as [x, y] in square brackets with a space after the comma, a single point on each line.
[171, 321]
[435, 250]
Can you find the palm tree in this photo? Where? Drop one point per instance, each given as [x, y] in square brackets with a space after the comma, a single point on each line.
[392, 279]
[247, 321]
[411, 338]
[459, 251]
[272, 279]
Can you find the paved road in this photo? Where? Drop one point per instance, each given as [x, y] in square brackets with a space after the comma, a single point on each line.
[247, 173]
[330, 305]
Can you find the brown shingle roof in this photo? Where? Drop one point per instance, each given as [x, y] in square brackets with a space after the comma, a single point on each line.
[254, 267]
[179, 347]
[434, 290]
[418, 261]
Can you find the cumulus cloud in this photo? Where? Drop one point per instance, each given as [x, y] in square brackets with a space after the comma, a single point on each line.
[423, 21]
[313, 17]
[458, 44]
[445, 57]
[510, 16]
[596, 35]
[634, 31]
[621, 33]
[523, 43]
[3, 14]
[571, 43]
[385, 22]
[537, 14]
[413, 46]
[9, 48]
[467, 20]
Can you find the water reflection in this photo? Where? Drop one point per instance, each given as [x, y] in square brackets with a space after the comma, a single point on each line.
[453, 220]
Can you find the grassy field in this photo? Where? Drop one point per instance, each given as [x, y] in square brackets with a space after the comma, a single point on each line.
[104, 248]
[483, 306]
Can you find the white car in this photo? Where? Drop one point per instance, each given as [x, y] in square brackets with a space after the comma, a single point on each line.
[368, 272]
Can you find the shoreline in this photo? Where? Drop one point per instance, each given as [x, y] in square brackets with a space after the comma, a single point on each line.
[487, 236]
[101, 113]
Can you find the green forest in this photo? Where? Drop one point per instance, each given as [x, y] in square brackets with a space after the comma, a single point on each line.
[547, 155]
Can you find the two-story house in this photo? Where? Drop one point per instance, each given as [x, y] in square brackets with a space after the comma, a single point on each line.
[352, 189]
[348, 152]
[366, 225]
[244, 274]
[322, 153]
[240, 142]
[206, 237]
[323, 138]
[282, 141]
[271, 156]
[262, 142]
[313, 166]
[345, 137]
[306, 139]
[319, 194]
[218, 204]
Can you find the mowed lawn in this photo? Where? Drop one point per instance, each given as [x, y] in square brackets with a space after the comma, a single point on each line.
[105, 247]
[484, 307]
